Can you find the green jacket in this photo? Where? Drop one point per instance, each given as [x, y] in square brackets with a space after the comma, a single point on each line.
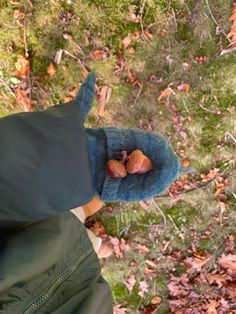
[47, 262]
[44, 164]
[51, 267]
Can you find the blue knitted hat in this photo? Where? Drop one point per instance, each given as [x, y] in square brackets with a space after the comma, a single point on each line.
[107, 143]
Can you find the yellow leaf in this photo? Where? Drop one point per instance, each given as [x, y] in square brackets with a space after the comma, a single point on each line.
[51, 69]
[22, 67]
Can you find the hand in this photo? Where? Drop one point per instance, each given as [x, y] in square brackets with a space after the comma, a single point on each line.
[108, 143]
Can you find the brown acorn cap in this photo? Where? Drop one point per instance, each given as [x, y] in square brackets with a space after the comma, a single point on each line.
[116, 169]
[135, 160]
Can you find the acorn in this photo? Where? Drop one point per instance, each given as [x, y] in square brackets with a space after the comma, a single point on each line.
[116, 169]
[138, 163]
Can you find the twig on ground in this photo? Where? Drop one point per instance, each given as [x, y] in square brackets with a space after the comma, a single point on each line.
[4, 83]
[208, 110]
[76, 58]
[25, 39]
[229, 50]
[186, 107]
[141, 19]
[30, 3]
[160, 211]
[213, 18]
[138, 94]
[27, 56]
[231, 136]
[174, 18]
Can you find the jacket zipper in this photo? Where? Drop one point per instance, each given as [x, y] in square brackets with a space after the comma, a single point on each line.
[43, 298]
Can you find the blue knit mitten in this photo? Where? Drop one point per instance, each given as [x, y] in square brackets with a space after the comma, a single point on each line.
[107, 143]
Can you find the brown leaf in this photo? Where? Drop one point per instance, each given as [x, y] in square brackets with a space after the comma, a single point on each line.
[220, 280]
[119, 246]
[179, 286]
[151, 263]
[104, 97]
[98, 54]
[211, 307]
[143, 288]
[166, 93]
[156, 300]
[23, 67]
[51, 69]
[23, 99]
[148, 34]
[142, 248]
[229, 263]
[130, 282]
[196, 263]
[127, 41]
[120, 59]
[184, 88]
[117, 309]
[20, 15]
[146, 203]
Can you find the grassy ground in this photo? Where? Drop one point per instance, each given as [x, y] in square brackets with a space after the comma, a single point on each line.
[199, 123]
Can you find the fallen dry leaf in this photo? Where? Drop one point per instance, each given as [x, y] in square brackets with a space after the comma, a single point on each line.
[127, 41]
[23, 67]
[119, 246]
[232, 34]
[146, 203]
[104, 96]
[51, 69]
[211, 307]
[220, 280]
[184, 88]
[179, 286]
[148, 34]
[151, 263]
[143, 288]
[142, 248]
[213, 173]
[166, 93]
[72, 93]
[229, 263]
[99, 54]
[130, 282]
[20, 15]
[117, 309]
[197, 262]
[156, 300]
[23, 99]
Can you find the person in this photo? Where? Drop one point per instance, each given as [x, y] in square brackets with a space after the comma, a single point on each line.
[50, 164]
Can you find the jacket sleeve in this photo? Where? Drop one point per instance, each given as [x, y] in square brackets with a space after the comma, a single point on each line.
[44, 161]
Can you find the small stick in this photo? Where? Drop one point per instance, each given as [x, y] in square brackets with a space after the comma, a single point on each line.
[213, 18]
[206, 108]
[231, 136]
[137, 97]
[76, 58]
[7, 87]
[229, 50]
[25, 39]
[141, 18]
[160, 211]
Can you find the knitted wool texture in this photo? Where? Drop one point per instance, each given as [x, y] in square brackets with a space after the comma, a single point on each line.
[107, 143]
